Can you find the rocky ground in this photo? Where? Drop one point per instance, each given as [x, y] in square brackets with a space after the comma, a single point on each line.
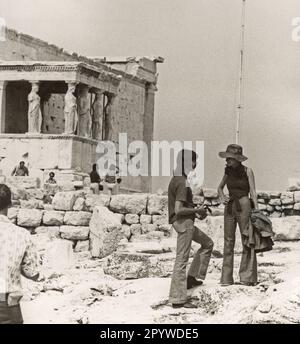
[131, 286]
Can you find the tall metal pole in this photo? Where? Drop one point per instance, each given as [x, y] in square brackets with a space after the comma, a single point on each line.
[239, 107]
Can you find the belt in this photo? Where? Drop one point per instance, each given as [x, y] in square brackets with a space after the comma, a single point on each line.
[236, 201]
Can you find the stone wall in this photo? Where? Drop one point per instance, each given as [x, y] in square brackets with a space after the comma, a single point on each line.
[141, 216]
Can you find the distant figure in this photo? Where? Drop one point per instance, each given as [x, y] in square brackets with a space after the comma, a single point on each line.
[112, 180]
[18, 257]
[50, 188]
[95, 180]
[21, 170]
[51, 179]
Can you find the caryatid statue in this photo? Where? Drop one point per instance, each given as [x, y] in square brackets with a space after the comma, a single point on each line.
[109, 118]
[70, 110]
[34, 110]
[84, 112]
[97, 116]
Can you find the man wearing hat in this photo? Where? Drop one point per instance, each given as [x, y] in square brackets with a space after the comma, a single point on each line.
[240, 183]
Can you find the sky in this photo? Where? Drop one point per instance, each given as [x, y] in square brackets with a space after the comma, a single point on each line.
[197, 86]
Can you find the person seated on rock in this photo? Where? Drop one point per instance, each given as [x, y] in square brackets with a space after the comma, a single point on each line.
[51, 179]
[18, 257]
[113, 180]
[50, 188]
[21, 170]
[96, 185]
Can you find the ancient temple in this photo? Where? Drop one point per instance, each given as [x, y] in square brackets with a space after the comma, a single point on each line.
[55, 107]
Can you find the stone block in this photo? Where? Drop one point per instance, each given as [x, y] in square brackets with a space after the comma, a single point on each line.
[65, 200]
[136, 229]
[145, 219]
[210, 193]
[92, 201]
[29, 217]
[82, 246]
[53, 218]
[51, 231]
[132, 218]
[294, 184]
[275, 202]
[77, 218]
[74, 232]
[159, 219]
[59, 256]
[35, 193]
[79, 204]
[157, 205]
[126, 231]
[287, 198]
[12, 214]
[297, 196]
[105, 232]
[150, 227]
[297, 206]
[264, 194]
[129, 204]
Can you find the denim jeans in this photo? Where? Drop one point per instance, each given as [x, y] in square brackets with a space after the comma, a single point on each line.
[198, 268]
[248, 266]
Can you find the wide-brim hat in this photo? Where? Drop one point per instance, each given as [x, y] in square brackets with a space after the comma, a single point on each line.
[233, 151]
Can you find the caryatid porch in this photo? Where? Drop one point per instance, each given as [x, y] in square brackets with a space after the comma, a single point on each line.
[53, 114]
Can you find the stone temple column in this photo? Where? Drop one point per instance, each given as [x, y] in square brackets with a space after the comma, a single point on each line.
[84, 112]
[70, 110]
[2, 105]
[97, 116]
[34, 109]
[109, 118]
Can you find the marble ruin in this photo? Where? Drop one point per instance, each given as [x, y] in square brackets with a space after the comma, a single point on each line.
[56, 106]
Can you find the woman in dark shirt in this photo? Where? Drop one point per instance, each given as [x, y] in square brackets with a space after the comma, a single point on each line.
[240, 182]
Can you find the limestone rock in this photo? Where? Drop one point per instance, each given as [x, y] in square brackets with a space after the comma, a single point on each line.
[297, 196]
[126, 231]
[79, 204]
[276, 214]
[287, 198]
[270, 209]
[53, 218]
[51, 231]
[150, 227]
[35, 193]
[92, 201]
[159, 220]
[210, 193]
[136, 229]
[129, 204]
[297, 206]
[132, 218]
[127, 265]
[18, 193]
[77, 218]
[286, 228]
[74, 232]
[261, 201]
[29, 217]
[264, 194]
[275, 201]
[105, 232]
[82, 246]
[64, 200]
[262, 206]
[157, 205]
[275, 194]
[145, 219]
[120, 217]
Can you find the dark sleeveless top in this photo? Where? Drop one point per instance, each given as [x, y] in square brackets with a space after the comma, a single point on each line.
[237, 184]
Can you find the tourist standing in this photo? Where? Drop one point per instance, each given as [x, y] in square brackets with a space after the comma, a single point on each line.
[182, 216]
[240, 182]
[17, 256]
